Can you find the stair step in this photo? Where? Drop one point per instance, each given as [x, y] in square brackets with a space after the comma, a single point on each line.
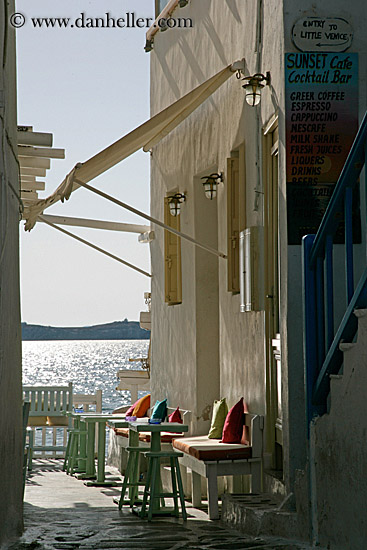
[346, 346]
[360, 312]
[259, 514]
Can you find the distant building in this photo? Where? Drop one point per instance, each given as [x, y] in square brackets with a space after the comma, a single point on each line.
[234, 327]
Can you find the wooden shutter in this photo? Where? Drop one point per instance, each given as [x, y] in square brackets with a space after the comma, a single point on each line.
[172, 263]
[233, 223]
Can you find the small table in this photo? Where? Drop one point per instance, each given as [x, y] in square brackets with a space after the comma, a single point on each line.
[155, 441]
[91, 419]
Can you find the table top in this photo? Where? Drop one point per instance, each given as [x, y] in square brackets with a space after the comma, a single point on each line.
[118, 423]
[99, 417]
[162, 427]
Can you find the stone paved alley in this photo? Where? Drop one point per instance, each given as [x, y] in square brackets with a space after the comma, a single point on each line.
[61, 513]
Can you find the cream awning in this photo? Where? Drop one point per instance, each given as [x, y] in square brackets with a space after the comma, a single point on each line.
[145, 136]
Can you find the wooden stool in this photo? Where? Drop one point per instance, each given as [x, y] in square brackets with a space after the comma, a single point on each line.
[67, 451]
[74, 455]
[154, 492]
[131, 478]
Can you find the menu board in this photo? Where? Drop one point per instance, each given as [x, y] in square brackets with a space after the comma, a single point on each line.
[321, 102]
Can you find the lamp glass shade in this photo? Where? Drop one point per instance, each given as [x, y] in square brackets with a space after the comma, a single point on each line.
[174, 208]
[210, 188]
[253, 96]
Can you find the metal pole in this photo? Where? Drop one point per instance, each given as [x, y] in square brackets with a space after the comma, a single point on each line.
[154, 220]
[95, 247]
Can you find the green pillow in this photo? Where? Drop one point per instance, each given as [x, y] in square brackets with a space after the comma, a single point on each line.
[160, 409]
[220, 411]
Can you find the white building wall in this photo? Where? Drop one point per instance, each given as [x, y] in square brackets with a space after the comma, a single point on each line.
[193, 361]
[10, 331]
[339, 491]
[356, 15]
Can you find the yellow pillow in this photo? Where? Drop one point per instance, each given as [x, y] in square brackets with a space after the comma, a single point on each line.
[142, 406]
[57, 421]
[37, 421]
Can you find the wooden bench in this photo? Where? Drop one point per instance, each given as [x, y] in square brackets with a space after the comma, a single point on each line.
[86, 400]
[210, 458]
[48, 405]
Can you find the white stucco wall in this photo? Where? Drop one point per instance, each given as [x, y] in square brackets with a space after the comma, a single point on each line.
[340, 454]
[356, 15]
[184, 337]
[339, 457]
[182, 59]
[10, 331]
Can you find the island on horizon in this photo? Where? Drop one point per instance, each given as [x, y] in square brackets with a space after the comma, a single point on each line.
[117, 330]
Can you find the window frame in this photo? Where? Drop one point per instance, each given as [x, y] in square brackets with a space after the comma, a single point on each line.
[236, 214]
[172, 259]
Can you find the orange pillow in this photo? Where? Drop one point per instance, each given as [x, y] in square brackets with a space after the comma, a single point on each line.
[142, 406]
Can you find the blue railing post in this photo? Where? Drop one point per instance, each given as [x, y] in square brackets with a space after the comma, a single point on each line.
[329, 290]
[320, 310]
[322, 354]
[349, 271]
[310, 344]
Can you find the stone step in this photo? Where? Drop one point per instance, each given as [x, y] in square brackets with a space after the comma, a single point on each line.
[259, 514]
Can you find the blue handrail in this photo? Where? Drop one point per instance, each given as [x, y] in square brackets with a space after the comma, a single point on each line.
[321, 345]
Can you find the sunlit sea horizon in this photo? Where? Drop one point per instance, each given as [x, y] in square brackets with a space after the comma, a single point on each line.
[89, 364]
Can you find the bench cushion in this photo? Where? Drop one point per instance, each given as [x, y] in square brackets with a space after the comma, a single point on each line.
[166, 437]
[203, 448]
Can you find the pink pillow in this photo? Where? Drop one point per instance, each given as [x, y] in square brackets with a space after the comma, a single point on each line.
[129, 411]
[233, 425]
[175, 416]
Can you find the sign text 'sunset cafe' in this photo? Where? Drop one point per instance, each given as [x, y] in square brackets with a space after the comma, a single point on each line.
[321, 123]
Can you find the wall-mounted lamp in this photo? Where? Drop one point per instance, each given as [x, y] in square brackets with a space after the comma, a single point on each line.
[174, 203]
[211, 183]
[253, 87]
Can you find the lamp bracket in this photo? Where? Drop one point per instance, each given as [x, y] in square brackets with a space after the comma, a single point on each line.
[258, 78]
[177, 197]
[238, 67]
[218, 177]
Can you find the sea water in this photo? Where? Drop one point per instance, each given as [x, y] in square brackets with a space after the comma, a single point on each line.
[89, 364]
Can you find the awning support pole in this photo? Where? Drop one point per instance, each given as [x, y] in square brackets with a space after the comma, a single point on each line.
[153, 220]
[95, 224]
[95, 247]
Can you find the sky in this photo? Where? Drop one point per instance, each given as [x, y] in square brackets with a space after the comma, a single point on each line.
[88, 87]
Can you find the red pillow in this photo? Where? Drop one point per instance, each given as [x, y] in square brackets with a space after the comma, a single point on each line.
[175, 416]
[233, 425]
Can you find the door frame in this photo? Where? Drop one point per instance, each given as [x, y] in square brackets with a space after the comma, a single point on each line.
[274, 433]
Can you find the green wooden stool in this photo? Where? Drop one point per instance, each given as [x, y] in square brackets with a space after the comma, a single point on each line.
[76, 461]
[155, 492]
[131, 478]
[67, 451]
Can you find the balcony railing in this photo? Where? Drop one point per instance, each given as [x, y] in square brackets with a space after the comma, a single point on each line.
[321, 344]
